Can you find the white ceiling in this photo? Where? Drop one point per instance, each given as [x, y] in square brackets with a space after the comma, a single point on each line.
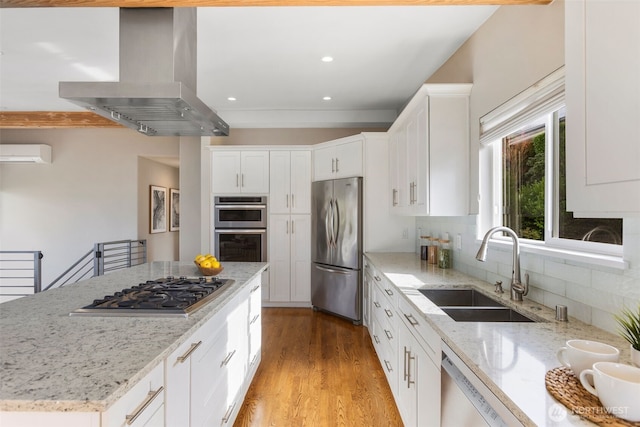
[268, 58]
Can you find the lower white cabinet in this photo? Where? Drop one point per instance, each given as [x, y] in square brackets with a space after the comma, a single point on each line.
[409, 351]
[143, 405]
[290, 259]
[207, 377]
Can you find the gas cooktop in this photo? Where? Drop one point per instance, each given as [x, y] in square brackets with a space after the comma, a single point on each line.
[163, 297]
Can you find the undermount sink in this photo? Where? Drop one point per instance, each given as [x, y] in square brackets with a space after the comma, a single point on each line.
[459, 298]
[485, 314]
[469, 305]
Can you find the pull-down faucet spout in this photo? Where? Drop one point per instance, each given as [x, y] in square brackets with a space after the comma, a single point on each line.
[518, 289]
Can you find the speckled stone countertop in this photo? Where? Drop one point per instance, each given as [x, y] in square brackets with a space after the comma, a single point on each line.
[50, 361]
[510, 358]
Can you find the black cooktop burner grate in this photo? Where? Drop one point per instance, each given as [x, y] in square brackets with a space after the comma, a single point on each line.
[167, 296]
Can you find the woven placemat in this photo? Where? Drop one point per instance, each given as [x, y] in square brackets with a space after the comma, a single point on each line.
[566, 388]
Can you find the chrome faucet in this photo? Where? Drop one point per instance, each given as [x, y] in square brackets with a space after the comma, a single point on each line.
[517, 288]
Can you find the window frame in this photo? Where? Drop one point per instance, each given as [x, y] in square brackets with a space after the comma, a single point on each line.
[545, 98]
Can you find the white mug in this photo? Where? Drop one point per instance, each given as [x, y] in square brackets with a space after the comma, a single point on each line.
[579, 355]
[617, 386]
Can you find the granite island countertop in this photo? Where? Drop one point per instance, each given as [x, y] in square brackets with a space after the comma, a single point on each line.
[511, 359]
[50, 361]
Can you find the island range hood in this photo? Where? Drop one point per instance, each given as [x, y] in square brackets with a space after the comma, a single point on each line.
[158, 67]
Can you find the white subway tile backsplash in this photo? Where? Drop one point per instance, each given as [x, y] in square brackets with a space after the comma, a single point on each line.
[592, 293]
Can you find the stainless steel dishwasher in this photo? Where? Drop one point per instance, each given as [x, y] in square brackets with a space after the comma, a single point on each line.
[466, 401]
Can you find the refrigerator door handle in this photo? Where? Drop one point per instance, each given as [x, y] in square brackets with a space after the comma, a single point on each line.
[335, 213]
[327, 232]
[331, 270]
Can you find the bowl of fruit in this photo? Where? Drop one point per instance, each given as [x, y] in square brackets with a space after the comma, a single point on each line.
[208, 265]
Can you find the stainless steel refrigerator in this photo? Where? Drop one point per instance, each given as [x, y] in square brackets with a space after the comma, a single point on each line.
[336, 247]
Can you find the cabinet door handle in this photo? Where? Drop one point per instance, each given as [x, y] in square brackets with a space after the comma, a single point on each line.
[337, 169]
[377, 278]
[256, 317]
[377, 340]
[130, 419]
[227, 415]
[287, 201]
[333, 165]
[389, 312]
[389, 292]
[388, 334]
[237, 180]
[227, 359]
[377, 304]
[293, 204]
[409, 359]
[394, 197]
[255, 288]
[388, 364]
[287, 228]
[185, 356]
[412, 320]
[404, 363]
[242, 175]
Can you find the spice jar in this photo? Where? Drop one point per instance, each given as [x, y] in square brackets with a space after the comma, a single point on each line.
[444, 254]
[432, 251]
[424, 244]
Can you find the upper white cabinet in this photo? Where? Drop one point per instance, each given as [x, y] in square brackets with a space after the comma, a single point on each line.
[290, 182]
[602, 52]
[239, 172]
[341, 158]
[429, 152]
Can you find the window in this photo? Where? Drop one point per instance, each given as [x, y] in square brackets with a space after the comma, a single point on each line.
[527, 137]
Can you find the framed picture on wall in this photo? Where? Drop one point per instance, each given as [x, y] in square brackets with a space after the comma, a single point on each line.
[174, 209]
[158, 209]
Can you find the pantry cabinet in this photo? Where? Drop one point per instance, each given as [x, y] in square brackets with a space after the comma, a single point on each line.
[242, 171]
[290, 260]
[429, 153]
[290, 182]
[341, 158]
[602, 51]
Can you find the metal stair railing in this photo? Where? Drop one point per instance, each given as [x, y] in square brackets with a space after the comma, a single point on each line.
[104, 258]
[20, 274]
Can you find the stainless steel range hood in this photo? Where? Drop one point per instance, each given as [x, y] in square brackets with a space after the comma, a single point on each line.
[158, 66]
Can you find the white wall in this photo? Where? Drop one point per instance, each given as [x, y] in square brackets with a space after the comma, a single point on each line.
[516, 47]
[88, 194]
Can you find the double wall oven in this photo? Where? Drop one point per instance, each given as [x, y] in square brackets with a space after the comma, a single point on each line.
[240, 224]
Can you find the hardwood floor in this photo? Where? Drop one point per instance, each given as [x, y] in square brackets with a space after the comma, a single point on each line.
[316, 370]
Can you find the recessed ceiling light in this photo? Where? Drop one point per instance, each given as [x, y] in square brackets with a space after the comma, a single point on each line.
[231, 98]
[327, 98]
[327, 59]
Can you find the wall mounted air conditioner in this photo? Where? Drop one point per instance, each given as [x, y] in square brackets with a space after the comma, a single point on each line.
[25, 153]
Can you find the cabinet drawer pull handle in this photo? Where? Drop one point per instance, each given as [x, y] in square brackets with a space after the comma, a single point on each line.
[377, 304]
[388, 334]
[227, 414]
[144, 405]
[389, 312]
[377, 278]
[256, 317]
[185, 356]
[412, 320]
[389, 292]
[386, 362]
[227, 359]
[377, 340]
[255, 288]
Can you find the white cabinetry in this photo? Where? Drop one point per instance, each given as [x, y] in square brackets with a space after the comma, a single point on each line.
[602, 51]
[341, 158]
[143, 405]
[429, 153]
[290, 182]
[239, 172]
[290, 260]
[419, 387]
[208, 376]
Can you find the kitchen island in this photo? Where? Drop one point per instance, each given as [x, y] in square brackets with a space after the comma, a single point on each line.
[509, 358]
[52, 363]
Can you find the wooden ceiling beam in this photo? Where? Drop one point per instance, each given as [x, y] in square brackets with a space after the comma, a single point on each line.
[268, 3]
[53, 120]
